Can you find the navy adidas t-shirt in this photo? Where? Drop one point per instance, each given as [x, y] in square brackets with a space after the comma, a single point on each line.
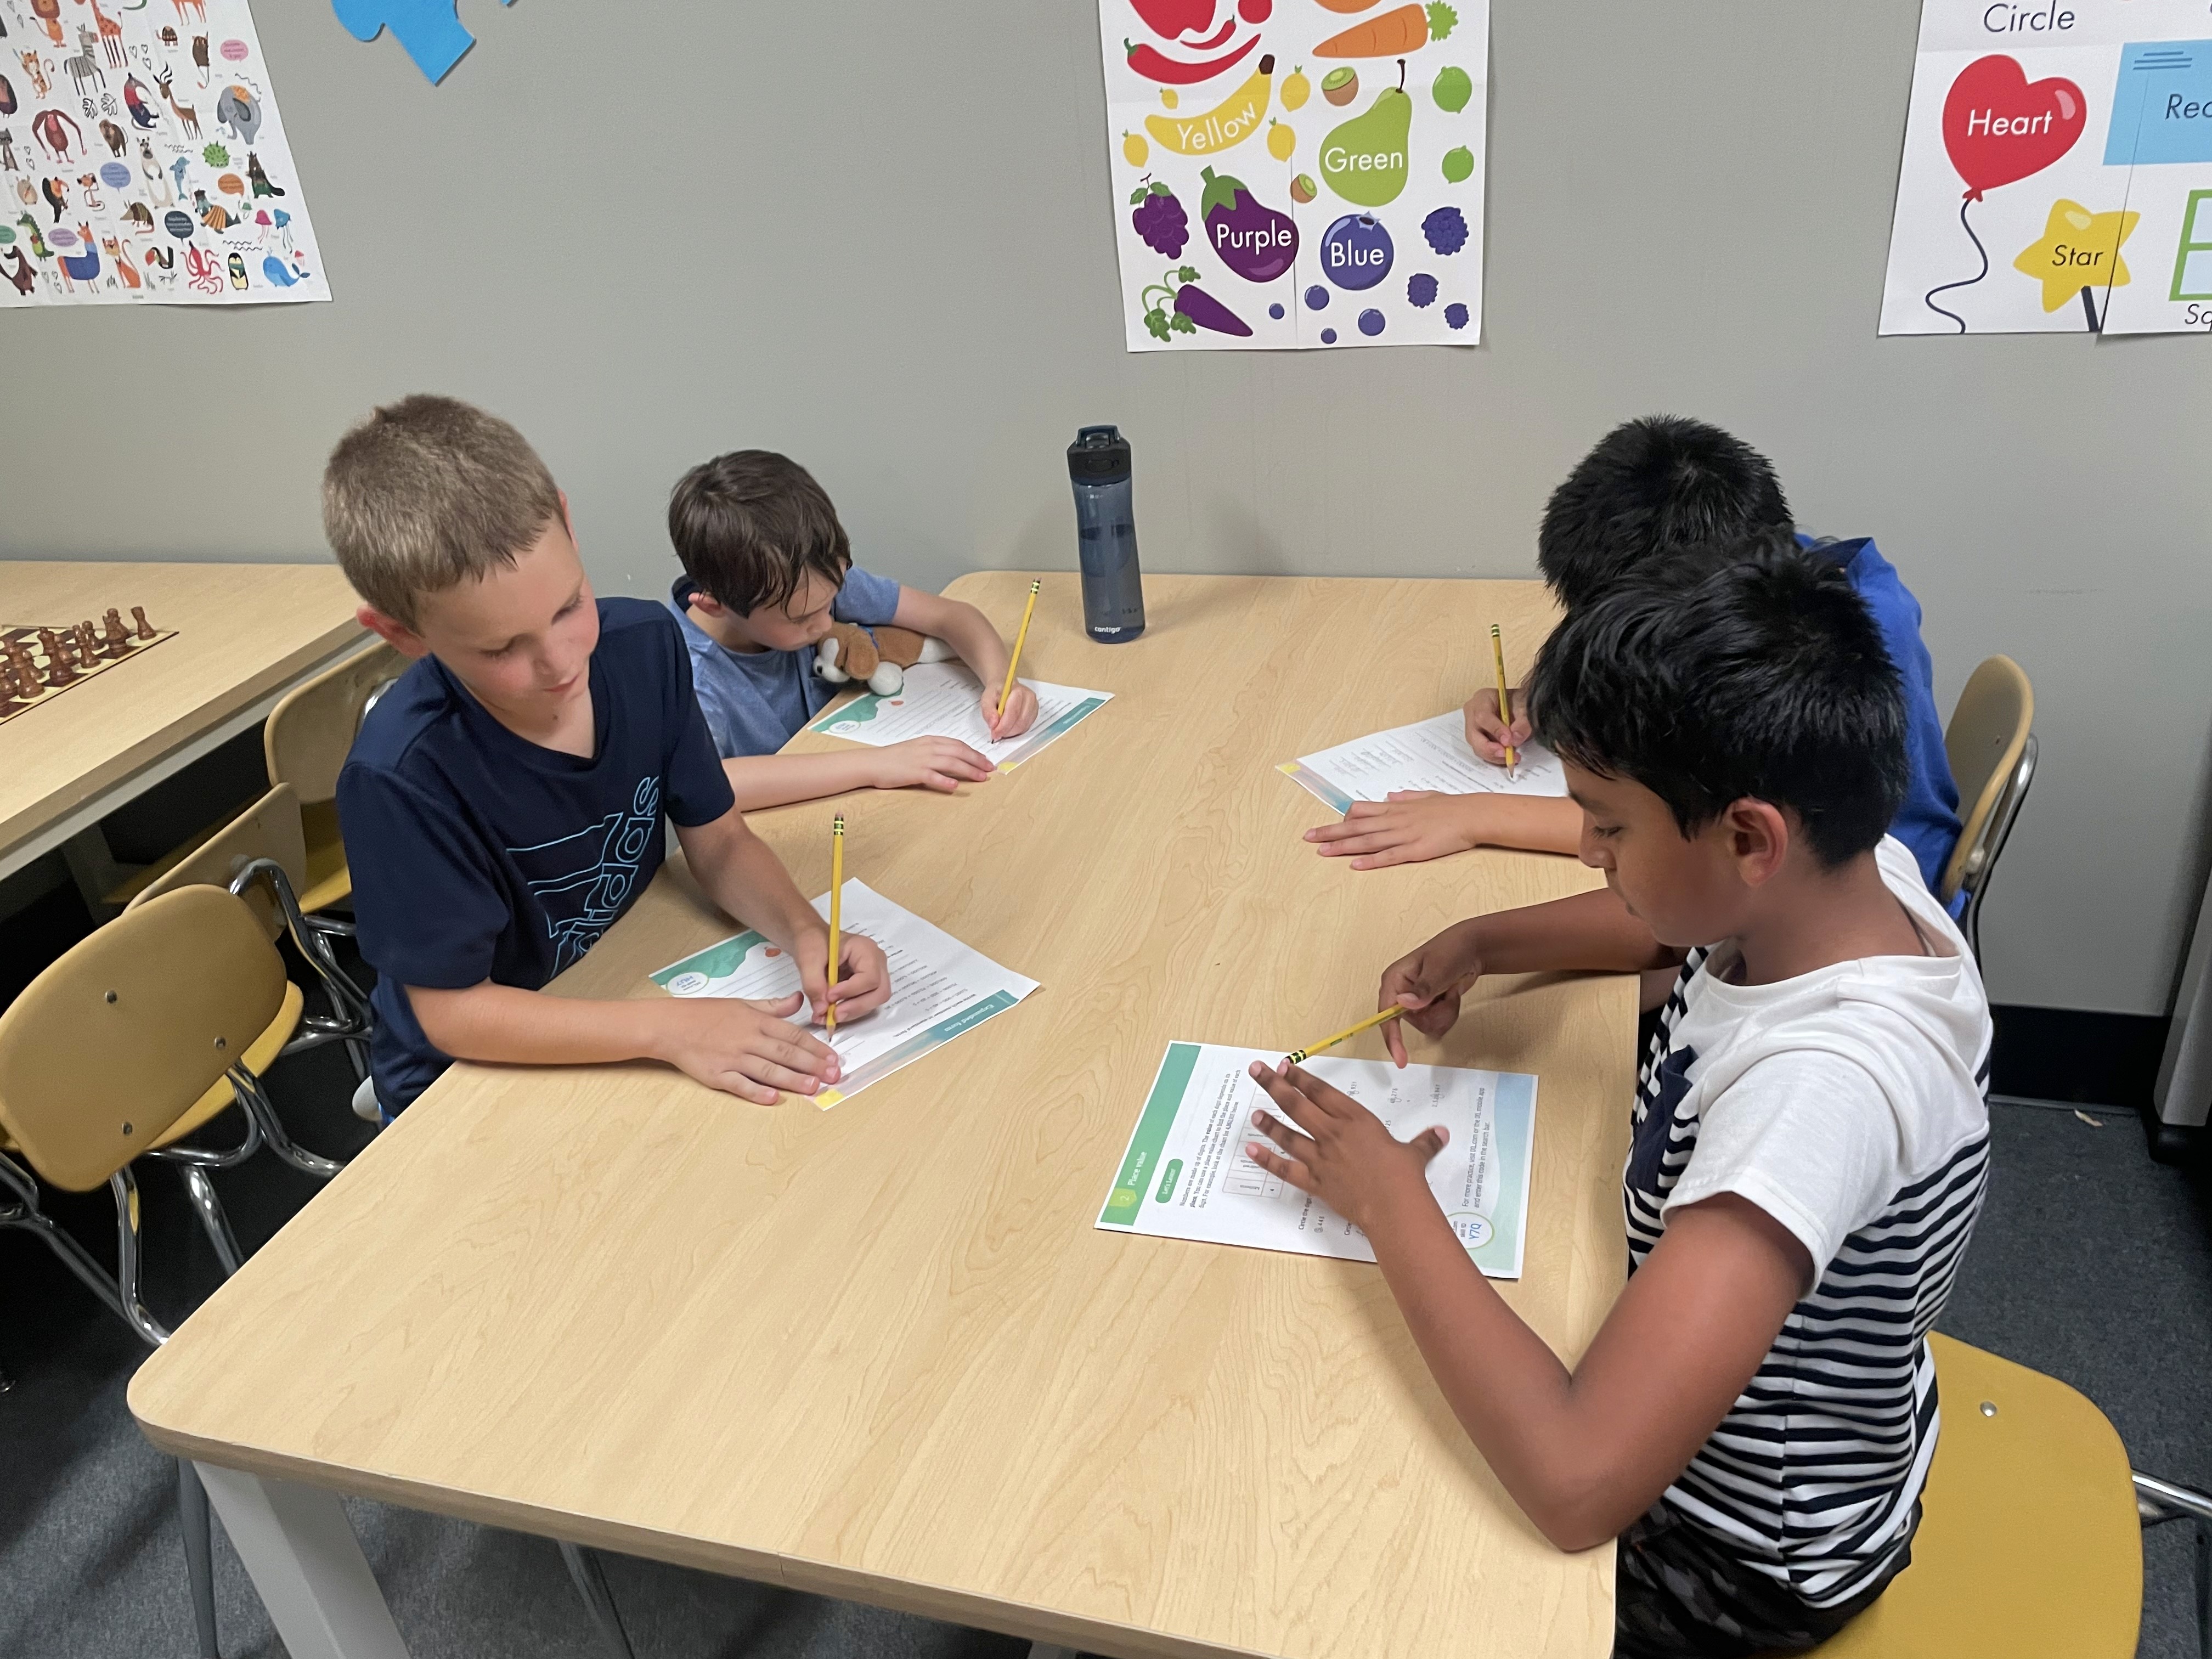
[477, 855]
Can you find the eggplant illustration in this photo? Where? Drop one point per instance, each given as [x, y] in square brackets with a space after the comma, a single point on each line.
[1252, 239]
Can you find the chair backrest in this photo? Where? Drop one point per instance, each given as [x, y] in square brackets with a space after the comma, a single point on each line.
[1988, 731]
[2028, 1542]
[309, 731]
[270, 829]
[109, 1045]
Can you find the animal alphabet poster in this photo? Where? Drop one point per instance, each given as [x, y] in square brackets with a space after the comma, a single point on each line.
[2057, 171]
[1297, 175]
[144, 159]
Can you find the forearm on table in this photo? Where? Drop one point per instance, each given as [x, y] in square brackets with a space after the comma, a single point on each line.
[503, 1024]
[760, 782]
[960, 625]
[736, 869]
[1590, 932]
[1534, 823]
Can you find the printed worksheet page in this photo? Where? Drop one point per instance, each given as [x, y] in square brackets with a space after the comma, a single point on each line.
[943, 699]
[939, 987]
[1431, 754]
[1185, 1174]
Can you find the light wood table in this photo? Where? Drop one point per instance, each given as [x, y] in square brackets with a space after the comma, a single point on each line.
[245, 633]
[881, 1352]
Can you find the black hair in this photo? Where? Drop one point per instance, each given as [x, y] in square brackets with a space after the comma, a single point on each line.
[1755, 671]
[749, 526]
[1652, 486]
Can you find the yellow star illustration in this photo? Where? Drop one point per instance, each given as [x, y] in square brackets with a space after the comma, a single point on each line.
[2080, 249]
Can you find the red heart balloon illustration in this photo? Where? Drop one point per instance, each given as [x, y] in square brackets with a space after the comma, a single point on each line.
[1999, 127]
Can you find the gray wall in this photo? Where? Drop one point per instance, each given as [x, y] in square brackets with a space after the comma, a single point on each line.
[876, 235]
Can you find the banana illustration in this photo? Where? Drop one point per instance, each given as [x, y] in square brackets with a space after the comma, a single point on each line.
[1229, 122]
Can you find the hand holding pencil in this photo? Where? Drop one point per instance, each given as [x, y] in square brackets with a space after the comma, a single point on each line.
[1011, 713]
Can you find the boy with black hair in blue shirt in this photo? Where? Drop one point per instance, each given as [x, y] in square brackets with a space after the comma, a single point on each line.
[508, 800]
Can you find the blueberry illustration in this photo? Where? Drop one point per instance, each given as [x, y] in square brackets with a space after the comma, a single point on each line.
[1316, 297]
[1329, 336]
[1456, 315]
[1421, 290]
[1446, 229]
[1371, 322]
[1276, 311]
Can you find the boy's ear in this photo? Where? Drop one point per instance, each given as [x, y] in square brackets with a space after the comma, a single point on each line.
[1758, 836]
[396, 635]
[707, 602]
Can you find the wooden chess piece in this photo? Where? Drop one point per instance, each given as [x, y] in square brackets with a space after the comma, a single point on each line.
[57, 662]
[145, 627]
[27, 676]
[87, 646]
[115, 635]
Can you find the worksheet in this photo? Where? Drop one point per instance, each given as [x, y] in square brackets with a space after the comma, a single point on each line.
[1431, 754]
[1186, 1174]
[939, 987]
[943, 699]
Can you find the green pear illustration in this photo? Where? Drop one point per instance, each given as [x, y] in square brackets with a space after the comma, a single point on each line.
[1364, 161]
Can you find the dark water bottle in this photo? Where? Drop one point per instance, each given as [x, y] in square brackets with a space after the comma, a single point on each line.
[1106, 535]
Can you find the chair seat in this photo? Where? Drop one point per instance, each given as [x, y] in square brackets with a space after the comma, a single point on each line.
[2029, 1542]
[330, 881]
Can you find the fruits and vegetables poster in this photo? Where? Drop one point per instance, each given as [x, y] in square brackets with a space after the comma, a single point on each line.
[1296, 173]
[2057, 171]
[144, 159]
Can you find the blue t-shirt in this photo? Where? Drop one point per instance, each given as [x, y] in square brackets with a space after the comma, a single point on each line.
[757, 701]
[1928, 822]
[477, 855]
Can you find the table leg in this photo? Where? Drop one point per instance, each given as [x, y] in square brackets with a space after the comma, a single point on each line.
[301, 1554]
[1044, 1651]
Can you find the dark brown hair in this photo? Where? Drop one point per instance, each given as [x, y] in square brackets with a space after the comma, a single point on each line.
[429, 492]
[749, 526]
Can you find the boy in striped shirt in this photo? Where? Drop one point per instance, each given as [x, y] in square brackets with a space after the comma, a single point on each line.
[1754, 1420]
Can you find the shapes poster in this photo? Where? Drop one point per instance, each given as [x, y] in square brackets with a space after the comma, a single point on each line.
[144, 160]
[1297, 175]
[2057, 171]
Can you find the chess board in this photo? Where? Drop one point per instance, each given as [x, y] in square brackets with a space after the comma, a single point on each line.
[108, 655]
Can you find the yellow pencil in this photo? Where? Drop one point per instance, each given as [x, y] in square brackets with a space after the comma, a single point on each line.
[1014, 661]
[1366, 1024]
[837, 906]
[1504, 696]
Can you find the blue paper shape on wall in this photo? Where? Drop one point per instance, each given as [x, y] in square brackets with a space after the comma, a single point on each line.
[430, 29]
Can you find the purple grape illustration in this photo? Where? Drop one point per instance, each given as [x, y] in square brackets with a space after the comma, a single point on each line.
[1316, 297]
[1256, 242]
[1456, 315]
[1193, 308]
[1159, 220]
[1446, 229]
[1421, 291]
[1370, 323]
[1329, 336]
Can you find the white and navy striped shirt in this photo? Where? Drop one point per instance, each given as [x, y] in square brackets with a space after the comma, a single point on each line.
[1849, 1105]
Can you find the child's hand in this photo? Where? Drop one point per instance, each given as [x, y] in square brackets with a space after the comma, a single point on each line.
[1428, 984]
[1413, 825]
[1346, 1156]
[940, 763]
[1486, 734]
[864, 978]
[745, 1048]
[1021, 711]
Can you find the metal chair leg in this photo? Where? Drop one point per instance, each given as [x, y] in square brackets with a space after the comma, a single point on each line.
[199, 1554]
[125, 1186]
[584, 1571]
[213, 1220]
[255, 1100]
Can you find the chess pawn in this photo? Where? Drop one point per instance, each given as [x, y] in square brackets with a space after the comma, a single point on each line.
[145, 627]
[27, 676]
[114, 635]
[57, 659]
[87, 646]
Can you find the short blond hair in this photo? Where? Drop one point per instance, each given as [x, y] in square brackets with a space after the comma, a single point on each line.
[429, 492]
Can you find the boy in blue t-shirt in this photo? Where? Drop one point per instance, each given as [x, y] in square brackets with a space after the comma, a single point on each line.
[505, 802]
[766, 570]
[1652, 488]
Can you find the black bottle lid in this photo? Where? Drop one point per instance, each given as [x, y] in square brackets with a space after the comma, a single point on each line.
[1099, 455]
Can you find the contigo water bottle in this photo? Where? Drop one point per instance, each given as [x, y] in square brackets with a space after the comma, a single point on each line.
[1106, 535]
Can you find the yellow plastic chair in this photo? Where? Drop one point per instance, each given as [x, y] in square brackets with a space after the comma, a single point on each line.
[305, 740]
[2031, 1531]
[114, 1053]
[261, 856]
[1991, 742]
